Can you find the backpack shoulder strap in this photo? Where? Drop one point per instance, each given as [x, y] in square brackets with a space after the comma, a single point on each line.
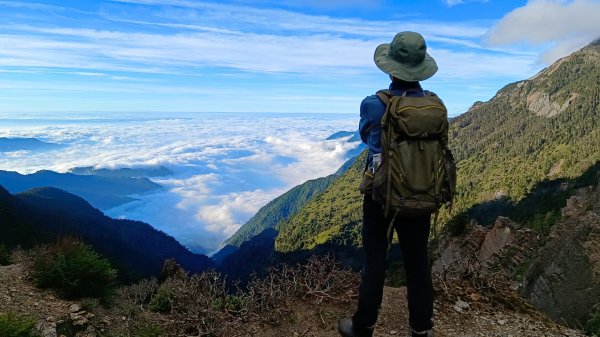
[384, 96]
[433, 94]
[430, 93]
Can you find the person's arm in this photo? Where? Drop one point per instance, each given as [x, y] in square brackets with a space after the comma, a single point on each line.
[365, 124]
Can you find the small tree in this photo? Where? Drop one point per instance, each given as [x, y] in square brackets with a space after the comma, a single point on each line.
[74, 269]
[593, 326]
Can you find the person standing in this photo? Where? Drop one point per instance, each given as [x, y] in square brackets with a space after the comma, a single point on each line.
[407, 62]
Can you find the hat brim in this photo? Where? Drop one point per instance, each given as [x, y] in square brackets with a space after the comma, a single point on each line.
[405, 72]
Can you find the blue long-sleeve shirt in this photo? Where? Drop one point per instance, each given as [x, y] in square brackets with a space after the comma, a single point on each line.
[371, 112]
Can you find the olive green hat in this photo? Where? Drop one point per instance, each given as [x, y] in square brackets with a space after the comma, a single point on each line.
[406, 58]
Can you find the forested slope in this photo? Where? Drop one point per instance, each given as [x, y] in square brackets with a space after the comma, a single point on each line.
[546, 127]
[332, 216]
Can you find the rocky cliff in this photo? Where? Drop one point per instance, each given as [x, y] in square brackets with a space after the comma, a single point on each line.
[564, 278]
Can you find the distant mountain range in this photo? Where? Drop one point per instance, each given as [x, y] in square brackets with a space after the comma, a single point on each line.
[354, 136]
[42, 215]
[25, 144]
[125, 172]
[102, 191]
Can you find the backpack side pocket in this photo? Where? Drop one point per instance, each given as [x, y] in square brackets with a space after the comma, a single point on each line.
[366, 184]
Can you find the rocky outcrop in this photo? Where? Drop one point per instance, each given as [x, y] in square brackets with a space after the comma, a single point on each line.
[540, 103]
[503, 245]
[564, 280]
[501, 235]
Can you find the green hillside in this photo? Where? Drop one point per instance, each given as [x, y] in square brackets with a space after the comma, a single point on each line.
[543, 128]
[280, 208]
[266, 219]
[331, 216]
[546, 127]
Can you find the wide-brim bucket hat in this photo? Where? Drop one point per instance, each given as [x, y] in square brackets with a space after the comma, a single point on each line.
[406, 58]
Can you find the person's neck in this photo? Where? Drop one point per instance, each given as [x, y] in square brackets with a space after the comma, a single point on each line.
[404, 85]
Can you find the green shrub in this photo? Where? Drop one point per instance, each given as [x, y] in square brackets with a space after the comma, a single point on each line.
[231, 303]
[12, 325]
[544, 222]
[161, 301]
[75, 270]
[147, 331]
[4, 256]
[593, 325]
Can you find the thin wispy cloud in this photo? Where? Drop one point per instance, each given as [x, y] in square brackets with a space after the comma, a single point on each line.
[452, 3]
[281, 21]
[182, 43]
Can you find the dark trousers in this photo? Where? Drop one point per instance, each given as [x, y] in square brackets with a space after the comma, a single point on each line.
[413, 234]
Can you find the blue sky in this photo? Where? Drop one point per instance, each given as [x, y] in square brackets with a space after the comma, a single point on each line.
[266, 55]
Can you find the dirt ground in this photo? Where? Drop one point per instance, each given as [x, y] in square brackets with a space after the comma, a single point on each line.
[480, 319]
[312, 317]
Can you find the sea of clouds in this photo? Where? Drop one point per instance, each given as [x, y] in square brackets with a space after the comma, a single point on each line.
[225, 165]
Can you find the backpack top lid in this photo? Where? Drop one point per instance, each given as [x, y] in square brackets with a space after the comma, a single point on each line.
[421, 117]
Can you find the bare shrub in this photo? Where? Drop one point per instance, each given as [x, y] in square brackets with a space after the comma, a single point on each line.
[140, 293]
[319, 278]
[195, 304]
[25, 257]
[200, 305]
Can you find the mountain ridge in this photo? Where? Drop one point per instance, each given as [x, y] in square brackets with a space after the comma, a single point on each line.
[25, 144]
[42, 215]
[103, 192]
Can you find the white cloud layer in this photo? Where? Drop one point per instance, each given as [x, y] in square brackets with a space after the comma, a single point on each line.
[566, 25]
[226, 166]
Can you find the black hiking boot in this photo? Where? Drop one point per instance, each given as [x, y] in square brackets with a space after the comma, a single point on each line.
[347, 329]
[427, 333]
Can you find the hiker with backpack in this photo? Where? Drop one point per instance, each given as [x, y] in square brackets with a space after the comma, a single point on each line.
[409, 174]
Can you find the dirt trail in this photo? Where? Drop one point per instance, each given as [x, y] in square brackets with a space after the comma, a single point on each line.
[480, 319]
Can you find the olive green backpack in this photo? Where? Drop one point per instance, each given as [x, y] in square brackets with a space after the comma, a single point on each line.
[417, 173]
